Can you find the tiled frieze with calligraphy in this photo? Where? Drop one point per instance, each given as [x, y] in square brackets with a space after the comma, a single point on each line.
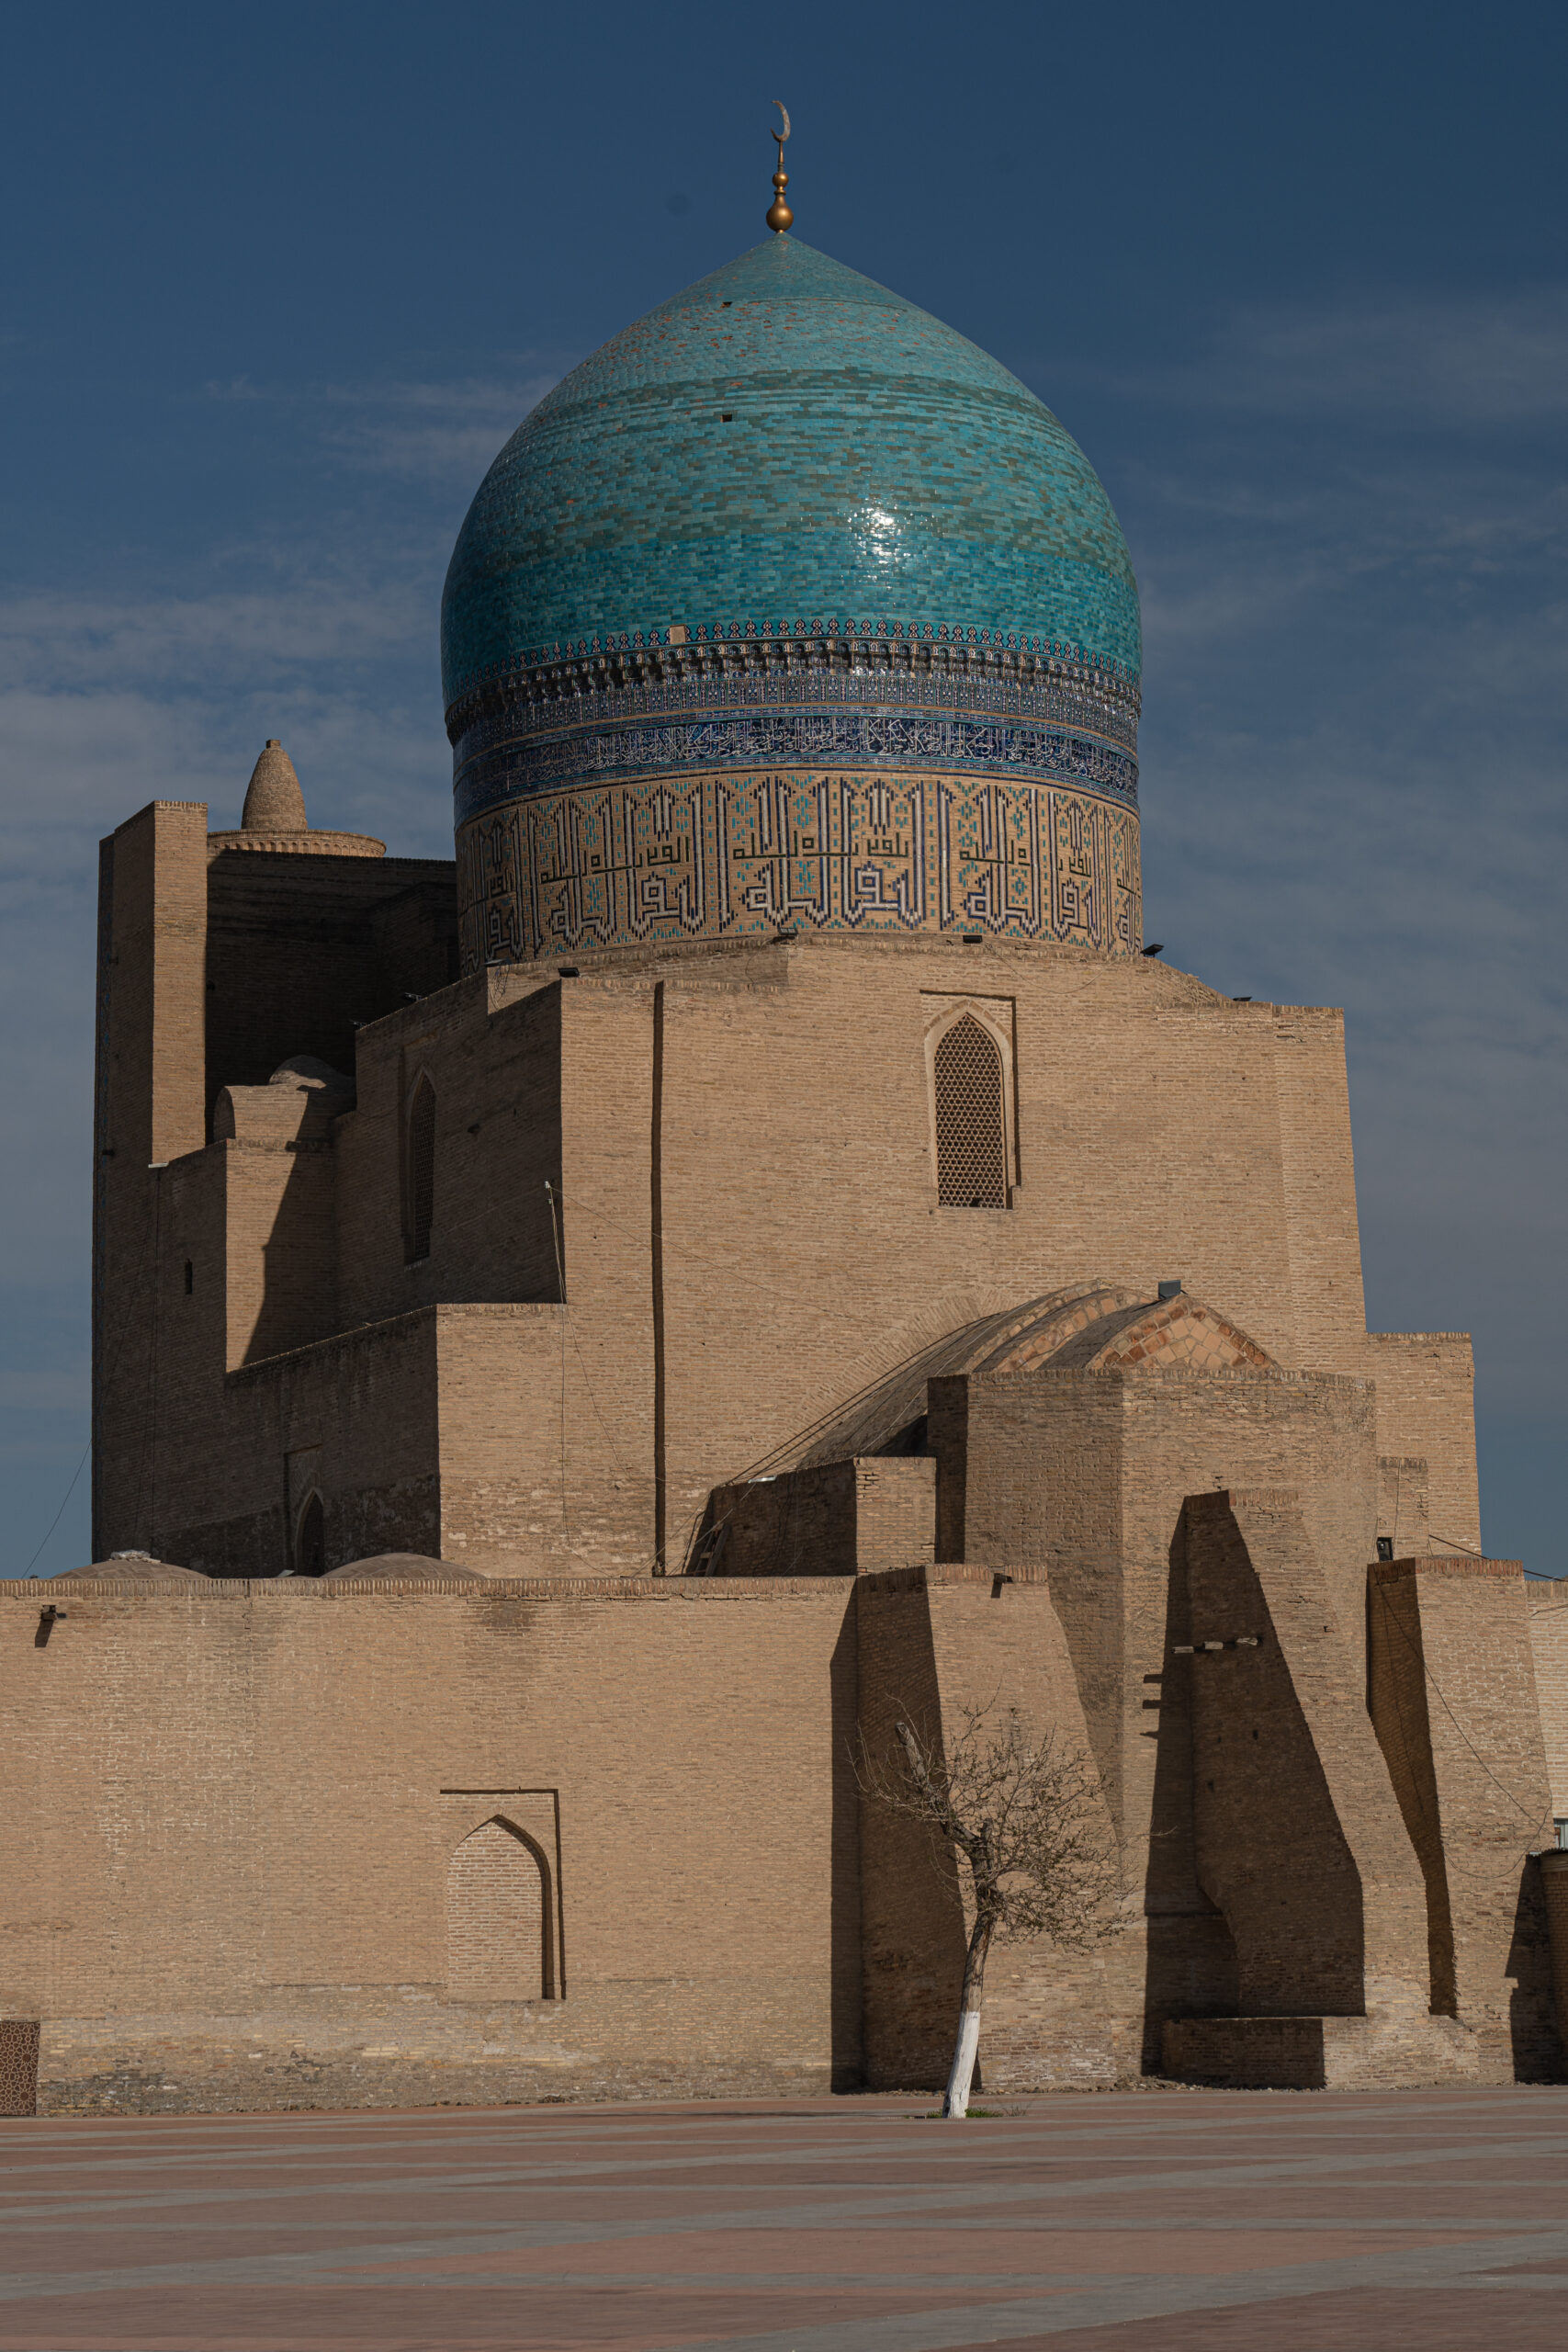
[748, 853]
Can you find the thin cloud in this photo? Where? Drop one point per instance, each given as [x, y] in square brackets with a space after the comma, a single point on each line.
[1450, 362]
[430, 431]
[44, 1392]
[64, 643]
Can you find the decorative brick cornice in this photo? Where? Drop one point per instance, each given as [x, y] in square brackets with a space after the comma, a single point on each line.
[717, 651]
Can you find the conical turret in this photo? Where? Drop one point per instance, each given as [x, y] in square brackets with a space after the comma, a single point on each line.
[274, 818]
[274, 803]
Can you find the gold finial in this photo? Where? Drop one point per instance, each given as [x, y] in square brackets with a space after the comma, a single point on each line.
[778, 215]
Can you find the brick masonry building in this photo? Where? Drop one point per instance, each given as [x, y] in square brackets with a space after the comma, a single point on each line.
[589, 1334]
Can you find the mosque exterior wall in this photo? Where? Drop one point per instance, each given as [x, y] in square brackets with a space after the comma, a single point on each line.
[726, 1157]
[233, 1875]
[686, 1210]
[1462, 1627]
[381, 1843]
[753, 1253]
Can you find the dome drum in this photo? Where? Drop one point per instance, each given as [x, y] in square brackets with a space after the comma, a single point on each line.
[744, 853]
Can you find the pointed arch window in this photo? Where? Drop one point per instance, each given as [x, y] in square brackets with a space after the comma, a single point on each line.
[970, 1105]
[311, 1540]
[420, 1170]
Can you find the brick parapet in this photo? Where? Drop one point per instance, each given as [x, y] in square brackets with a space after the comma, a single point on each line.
[236, 1808]
[1447, 1563]
[920, 1577]
[289, 1590]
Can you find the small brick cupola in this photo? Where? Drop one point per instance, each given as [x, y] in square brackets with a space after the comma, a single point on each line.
[274, 802]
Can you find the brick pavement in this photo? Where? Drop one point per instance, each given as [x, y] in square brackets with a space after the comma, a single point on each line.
[1174, 2219]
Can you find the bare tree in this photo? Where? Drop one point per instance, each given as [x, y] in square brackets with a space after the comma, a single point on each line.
[1028, 1817]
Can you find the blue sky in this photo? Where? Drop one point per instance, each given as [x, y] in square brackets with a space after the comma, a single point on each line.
[278, 284]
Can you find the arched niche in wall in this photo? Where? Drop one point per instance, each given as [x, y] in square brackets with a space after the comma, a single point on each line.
[311, 1539]
[500, 1917]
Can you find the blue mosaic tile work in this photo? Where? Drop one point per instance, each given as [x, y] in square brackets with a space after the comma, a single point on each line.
[745, 854]
[1042, 719]
[792, 608]
[832, 738]
[783, 442]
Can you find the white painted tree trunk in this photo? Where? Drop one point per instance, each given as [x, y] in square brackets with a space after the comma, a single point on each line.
[955, 2101]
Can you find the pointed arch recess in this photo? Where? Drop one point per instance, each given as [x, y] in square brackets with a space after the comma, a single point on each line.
[499, 1916]
[311, 1538]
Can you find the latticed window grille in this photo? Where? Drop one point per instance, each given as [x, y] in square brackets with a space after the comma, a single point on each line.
[971, 1125]
[421, 1170]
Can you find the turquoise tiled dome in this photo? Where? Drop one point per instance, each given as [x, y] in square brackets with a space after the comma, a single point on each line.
[782, 445]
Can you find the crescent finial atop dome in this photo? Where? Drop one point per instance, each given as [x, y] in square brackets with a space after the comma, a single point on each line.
[778, 215]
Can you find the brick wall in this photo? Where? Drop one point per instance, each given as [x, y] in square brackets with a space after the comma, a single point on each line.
[932, 1643]
[235, 1813]
[150, 1028]
[360, 1411]
[1318, 1182]
[1300, 1840]
[212, 968]
[1085, 1475]
[1426, 1385]
[1452, 1695]
[279, 1259]
[833, 1519]
[1548, 1605]
[1403, 1514]
[738, 1144]
[302, 947]
[500, 1917]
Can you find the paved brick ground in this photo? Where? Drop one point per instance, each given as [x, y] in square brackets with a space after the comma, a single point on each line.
[1170, 2220]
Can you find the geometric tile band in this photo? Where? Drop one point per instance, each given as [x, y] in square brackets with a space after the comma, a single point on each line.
[856, 738]
[743, 853]
[693, 708]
